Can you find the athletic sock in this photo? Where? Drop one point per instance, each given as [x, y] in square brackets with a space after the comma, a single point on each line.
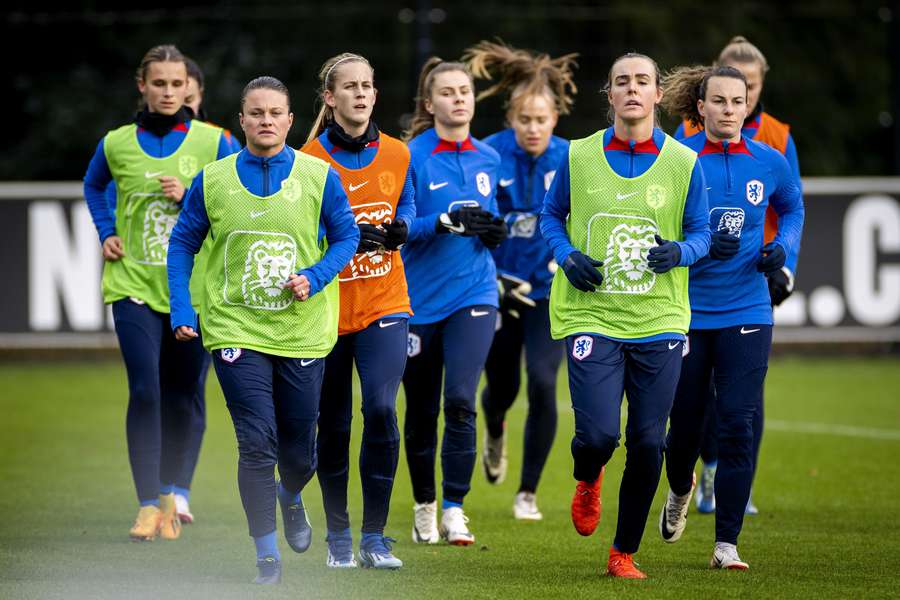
[368, 539]
[448, 504]
[267, 545]
[154, 502]
[725, 546]
[180, 491]
[287, 498]
[166, 488]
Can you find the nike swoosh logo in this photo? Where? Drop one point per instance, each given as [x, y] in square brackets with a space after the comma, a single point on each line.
[746, 331]
[479, 313]
[673, 345]
[353, 188]
[623, 196]
[382, 324]
[306, 362]
[258, 213]
[507, 182]
[436, 186]
[150, 175]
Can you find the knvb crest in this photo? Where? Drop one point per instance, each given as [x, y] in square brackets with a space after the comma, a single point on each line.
[413, 345]
[483, 182]
[582, 347]
[656, 196]
[755, 191]
[187, 165]
[291, 189]
[230, 355]
[387, 182]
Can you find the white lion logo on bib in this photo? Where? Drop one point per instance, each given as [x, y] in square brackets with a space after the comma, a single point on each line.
[625, 267]
[159, 220]
[257, 265]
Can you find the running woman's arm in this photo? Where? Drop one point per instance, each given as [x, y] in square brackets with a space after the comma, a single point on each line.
[422, 228]
[406, 205]
[695, 222]
[557, 203]
[790, 153]
[787, 201]
[96, 181]
[338, 225]
[185, 241]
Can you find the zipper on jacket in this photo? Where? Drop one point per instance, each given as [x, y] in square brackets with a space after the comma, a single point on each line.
[265, 168]
[727, 168]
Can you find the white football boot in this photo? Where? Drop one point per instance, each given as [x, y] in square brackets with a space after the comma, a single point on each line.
[454, 528]
[425, 529]
[525, 507]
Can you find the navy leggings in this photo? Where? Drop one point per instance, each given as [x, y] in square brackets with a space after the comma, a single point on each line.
[163, 376]
[543, 356]
[196, 428]
[709, 448]
[380, 354]
[738, 358]
[274, 405]
[600, 371]
[456, 347]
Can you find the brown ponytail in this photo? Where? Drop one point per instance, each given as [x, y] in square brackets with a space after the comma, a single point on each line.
[422, 119]
[522, 74]
[327, 75]
[686, 85]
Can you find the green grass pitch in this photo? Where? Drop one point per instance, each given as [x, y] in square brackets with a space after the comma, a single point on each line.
[828, 489]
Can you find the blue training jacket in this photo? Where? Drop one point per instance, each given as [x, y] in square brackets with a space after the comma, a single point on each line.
[629, 159]
[444, 271]
[743, 179]
[522, 183]
[262, 177]
[98, 192]
[749, 130]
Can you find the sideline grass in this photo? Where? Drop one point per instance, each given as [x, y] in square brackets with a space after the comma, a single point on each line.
[828, 527]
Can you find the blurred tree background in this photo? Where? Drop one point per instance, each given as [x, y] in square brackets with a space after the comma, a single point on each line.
[834, 78]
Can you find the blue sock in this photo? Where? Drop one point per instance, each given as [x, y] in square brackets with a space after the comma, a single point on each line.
[154, 502]
[166, 488]
[711, 465]
[447, 504]
[368, 539]
[180, 491]
[286, 498]
[344, 534]
[267, 545]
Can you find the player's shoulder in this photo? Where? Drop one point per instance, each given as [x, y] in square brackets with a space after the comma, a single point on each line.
[489, 153]
[502, 141]
[694, 142]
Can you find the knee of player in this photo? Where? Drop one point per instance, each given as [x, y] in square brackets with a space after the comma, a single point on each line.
[599, 441]
[458, 414]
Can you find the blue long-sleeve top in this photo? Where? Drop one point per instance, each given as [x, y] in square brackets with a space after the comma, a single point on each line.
[444, 271]
[262, 177]
[521, 185]
[744, 178]
[100, 194]
[406, 205]
[629, 159]
[750, 130]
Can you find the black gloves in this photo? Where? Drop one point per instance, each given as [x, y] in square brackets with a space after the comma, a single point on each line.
[371, 238]
[494, 233]
[664, 257]
[723, 245]
[513, 294]
[781, 285]
[467, 221]
[773, 258]
[397, 232]
[581, 271]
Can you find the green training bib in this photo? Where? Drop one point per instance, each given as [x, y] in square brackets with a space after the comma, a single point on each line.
[144, 216]
[256, 243]
[614, 219]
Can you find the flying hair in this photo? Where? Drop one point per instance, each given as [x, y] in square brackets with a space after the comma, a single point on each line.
[434, 66]
[522, 74]
[327, 74]
[686, 85]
